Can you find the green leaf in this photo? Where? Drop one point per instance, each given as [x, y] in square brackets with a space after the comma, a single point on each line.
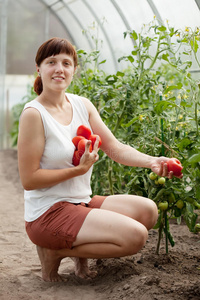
[159, 222]
[130, 58]
[171, 240]
[194, 45]
[121, 74]
[184, 143]
[198, 192]
[134, 52]
[190, 217]
[162, 28]
[102, 62]
[125, 34]
[131, 122]
[173, 87]
[134, 35]
[165, 57]
[163, 105]
[194, 158]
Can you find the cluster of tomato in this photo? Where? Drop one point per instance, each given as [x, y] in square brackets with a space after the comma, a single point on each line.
[83, 134]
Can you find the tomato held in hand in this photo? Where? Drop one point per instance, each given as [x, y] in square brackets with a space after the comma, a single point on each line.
[174, 165]
[84, 131]
[93, 138]
[81, 145]
[76, 140]
[76, 157]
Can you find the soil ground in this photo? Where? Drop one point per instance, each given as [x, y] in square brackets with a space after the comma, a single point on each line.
[145, 276]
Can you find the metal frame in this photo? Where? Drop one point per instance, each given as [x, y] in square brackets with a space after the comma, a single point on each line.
[54, 13]
[104, 32]
[198, 3]
[3, 44]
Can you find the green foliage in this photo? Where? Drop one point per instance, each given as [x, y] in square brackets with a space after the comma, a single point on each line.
[151, 105]
[16, 112]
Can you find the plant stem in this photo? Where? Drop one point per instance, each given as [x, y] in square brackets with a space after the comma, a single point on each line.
[110, 177]
[160, 234]
[196, 120]
[166, 231]
[162, 130]
[110, 162]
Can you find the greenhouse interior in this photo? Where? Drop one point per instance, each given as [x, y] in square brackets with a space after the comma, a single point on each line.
[89, 25]
[115, 114]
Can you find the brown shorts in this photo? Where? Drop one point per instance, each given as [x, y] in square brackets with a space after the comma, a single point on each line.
[58, 227]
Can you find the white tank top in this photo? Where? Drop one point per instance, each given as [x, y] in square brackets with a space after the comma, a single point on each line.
[58, 153]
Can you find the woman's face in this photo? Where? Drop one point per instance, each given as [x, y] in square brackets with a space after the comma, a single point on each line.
[57, 71]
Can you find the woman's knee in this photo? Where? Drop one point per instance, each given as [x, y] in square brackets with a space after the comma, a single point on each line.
[136, 239]
[148, 214]
[151, 214]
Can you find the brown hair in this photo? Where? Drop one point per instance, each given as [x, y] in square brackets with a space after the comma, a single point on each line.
[51, 47]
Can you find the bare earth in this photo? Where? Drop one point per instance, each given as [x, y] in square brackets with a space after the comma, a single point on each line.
[144, 276]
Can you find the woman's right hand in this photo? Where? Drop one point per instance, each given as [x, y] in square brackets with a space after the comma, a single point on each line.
[89, 158]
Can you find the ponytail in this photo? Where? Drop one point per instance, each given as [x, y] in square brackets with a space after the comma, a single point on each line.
[38, 87]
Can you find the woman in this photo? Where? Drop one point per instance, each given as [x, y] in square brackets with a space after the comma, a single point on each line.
[61, 218]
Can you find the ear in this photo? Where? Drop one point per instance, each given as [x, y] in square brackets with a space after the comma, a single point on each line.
[37, 68]
[75, 70]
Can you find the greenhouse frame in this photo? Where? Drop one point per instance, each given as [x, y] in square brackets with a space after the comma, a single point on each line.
[88, 24]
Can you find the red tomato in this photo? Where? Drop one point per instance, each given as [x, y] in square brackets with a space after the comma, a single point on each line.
[76, 140]
[76, 157]
[93, 139]
[84, 131]
[81, 145]
[174, 165]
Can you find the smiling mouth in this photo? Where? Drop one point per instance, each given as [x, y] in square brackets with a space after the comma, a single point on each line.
[58, 78]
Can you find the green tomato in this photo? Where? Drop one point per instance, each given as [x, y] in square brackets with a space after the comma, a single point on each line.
[152, 176]
[171, 198]
[197, 205]
[163, 205]
[161, 180]
[180, 204]
[197, 227]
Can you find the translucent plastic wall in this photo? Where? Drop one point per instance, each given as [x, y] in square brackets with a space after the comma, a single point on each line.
[25, 24]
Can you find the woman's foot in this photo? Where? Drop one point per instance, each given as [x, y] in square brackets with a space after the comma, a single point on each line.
[81, 268]
[50, 263]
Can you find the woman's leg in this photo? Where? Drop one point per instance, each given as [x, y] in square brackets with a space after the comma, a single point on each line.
[141, 209]
[104, 234]
[138, 208]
